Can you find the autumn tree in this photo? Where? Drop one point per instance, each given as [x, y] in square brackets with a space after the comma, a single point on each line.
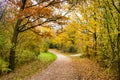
[29, 14]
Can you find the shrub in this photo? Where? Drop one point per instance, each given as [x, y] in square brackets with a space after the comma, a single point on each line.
[26, 56]
[3, 66]
[44, 46]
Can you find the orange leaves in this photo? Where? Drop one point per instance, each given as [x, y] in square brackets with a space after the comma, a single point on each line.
[36, 13]
[44, 31]
[40, 11]
[47, 12]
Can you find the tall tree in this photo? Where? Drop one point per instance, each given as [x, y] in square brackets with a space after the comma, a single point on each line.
[30, 14]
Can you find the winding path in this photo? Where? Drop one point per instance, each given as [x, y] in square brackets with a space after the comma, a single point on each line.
[61, 69]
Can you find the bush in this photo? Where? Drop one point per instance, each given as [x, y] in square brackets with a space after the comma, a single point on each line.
[3, 66]
[44, 47]
[4, 46]
[52, 45]
[72, 49]
[26, 56]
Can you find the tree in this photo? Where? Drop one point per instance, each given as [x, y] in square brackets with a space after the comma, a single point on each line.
[28, 15]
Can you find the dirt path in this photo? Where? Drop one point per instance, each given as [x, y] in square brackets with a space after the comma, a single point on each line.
[61, 69]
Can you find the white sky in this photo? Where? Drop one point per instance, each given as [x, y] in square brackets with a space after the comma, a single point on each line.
[34, 2]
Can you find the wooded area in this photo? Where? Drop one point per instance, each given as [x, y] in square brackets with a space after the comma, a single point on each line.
[87, 27]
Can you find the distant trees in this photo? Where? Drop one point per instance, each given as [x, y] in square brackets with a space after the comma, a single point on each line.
[98, 30]
[67, 40]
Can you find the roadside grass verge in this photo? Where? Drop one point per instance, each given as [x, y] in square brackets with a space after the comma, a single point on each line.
[46, 57]
[25, 71]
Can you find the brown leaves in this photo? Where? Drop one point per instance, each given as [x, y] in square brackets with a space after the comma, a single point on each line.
[89, 70]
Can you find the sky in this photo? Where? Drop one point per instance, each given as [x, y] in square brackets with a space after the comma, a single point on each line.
[2, 3]
[34, 2]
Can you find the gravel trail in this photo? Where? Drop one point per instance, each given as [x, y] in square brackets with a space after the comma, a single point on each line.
[61, 69]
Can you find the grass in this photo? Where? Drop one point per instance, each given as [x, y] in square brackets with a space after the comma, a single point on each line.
[26, 71]
[46, 57]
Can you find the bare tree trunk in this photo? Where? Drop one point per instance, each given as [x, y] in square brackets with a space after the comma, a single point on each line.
[111, 43]
[12, 50]
[95, 43]
[87, 52]
[14, 44]
[118, 44]
[110, 38]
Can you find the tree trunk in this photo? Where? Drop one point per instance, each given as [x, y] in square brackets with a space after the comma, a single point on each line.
[14, 40]
[118, 44]
[111, 44]
[118, 54]
[95, 43]
[87, 52]
[12, 50]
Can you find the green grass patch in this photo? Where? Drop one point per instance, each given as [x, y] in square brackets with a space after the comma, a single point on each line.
[46, 57]
[24, 72]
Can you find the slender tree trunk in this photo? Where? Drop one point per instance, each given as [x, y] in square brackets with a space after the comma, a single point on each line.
[95, 43]
[12, 50]
[14, 44]
[111, 43]
[118, 46]
[87, 52]
[118, 51]
[109, 36]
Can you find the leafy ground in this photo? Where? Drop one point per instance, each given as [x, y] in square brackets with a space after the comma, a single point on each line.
[44, 59]
[89, 70]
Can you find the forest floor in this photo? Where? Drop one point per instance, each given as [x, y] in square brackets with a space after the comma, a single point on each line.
[67, 67]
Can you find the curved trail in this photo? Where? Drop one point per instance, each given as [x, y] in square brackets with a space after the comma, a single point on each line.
[61, 69]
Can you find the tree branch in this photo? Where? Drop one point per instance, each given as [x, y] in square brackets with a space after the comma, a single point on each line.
[23, 26]
[113, 3]
[36, 4]
[48, 20]
[24, 3]
[51, 3]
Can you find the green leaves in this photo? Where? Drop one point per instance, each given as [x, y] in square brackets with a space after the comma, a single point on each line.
[3, 66]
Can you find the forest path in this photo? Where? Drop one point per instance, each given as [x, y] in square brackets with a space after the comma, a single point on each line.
[61, 69]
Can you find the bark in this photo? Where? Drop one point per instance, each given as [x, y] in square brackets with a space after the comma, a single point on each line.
[14, 44]
[118, 44]
[111, 43]
[87, 52]
[118, 51]
[95, 43]
[12, 50]
[109, 36]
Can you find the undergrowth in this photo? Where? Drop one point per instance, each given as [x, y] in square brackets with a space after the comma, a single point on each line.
[25, 71]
